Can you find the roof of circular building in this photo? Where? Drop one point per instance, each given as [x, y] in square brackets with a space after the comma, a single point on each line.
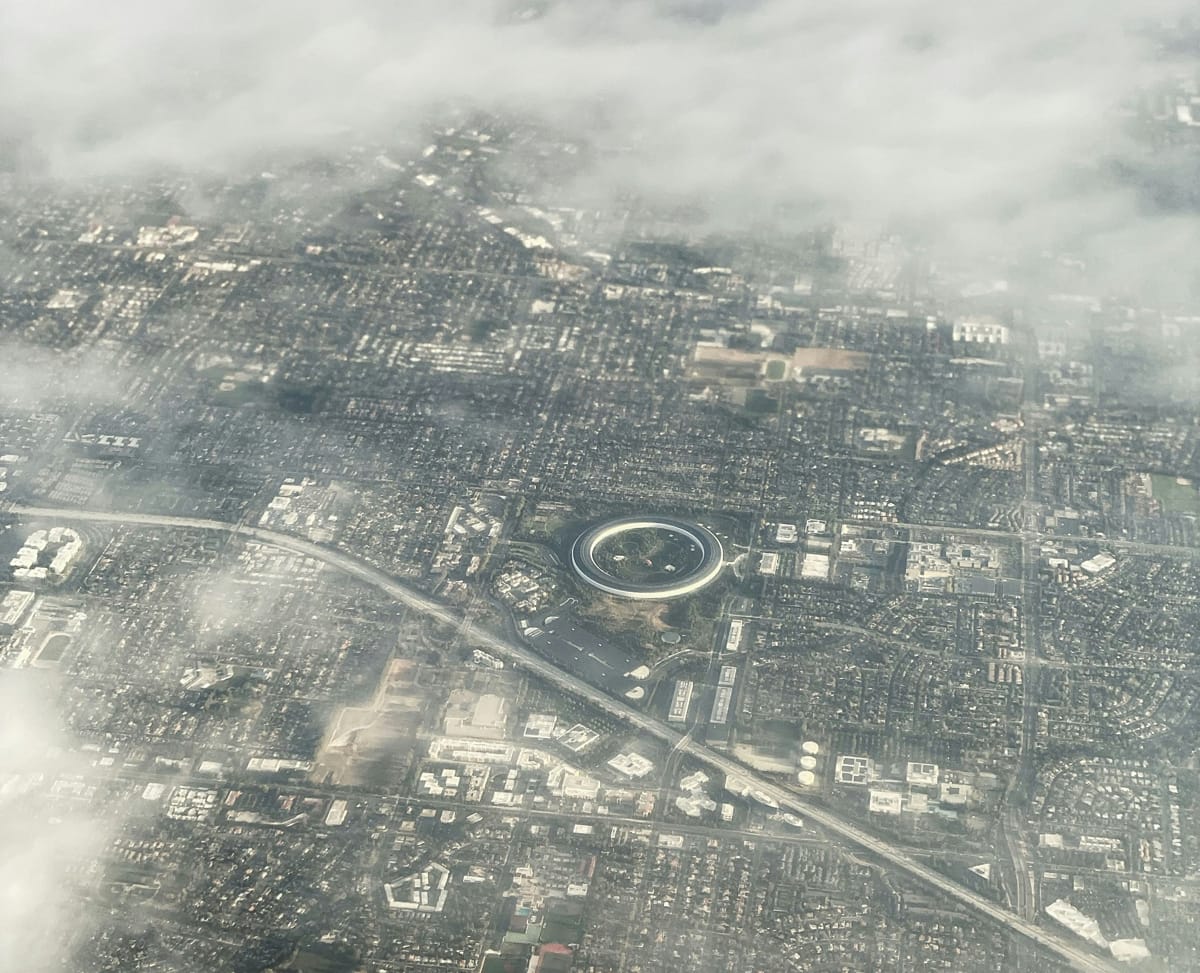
[704, 572]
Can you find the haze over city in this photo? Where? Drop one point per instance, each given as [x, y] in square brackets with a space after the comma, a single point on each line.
[599, 487]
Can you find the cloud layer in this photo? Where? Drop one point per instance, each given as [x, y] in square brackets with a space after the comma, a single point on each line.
[42, 848]
[981, 117]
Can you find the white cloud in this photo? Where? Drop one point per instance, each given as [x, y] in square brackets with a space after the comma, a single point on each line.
[40, 853]
[836, 97]
[987, 122]
[33, 377]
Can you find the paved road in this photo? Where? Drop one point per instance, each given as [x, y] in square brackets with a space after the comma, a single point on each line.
[1069, 949]
[996, 533]
[1022, 782]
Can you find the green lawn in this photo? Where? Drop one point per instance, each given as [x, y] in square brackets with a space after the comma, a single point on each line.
[642, 556]
[776, 369]
[1179, 498]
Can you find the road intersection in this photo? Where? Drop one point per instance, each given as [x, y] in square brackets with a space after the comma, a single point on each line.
[1077, 955]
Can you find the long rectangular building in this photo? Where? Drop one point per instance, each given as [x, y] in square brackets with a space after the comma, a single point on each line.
[721, 703]
[680, 701]
[733, 641]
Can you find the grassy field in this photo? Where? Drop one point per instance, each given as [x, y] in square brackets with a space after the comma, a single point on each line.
[776, 370]
[648, 555]
[1176, 497]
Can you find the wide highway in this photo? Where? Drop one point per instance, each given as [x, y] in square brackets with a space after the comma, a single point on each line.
[1068, 948]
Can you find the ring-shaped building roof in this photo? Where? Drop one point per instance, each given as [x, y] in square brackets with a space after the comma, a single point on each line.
[583, 559]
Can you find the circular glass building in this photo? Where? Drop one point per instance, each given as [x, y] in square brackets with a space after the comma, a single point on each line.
[649, 558]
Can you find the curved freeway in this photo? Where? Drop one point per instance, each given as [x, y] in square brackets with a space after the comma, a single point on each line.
[1072, 951]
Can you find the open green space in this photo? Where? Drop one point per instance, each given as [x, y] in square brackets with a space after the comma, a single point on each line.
[776, 370]
[648, 555]
[325, 958]
[54, 647]
[1175, 496]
